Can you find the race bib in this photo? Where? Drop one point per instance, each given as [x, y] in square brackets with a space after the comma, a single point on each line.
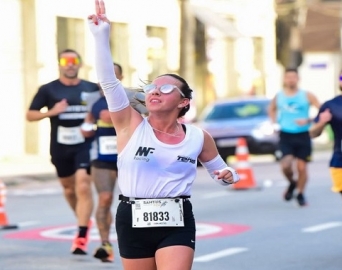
[108, 145]
[157, 213]
[69, 135]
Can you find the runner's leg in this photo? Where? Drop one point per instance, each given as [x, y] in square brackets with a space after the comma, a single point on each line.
[184, 255]
[141, 264]
[104, 180]
[84, 196]
[286, 167]
[66, 173]
[68, 184]
[302, 175]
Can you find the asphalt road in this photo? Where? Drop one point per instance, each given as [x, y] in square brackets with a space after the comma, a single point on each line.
[236, 229]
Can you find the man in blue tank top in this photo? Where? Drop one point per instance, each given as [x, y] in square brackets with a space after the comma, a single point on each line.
[290, 110]
[331, 114]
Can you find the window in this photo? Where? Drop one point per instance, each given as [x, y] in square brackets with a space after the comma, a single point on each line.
[238, 110]
[156, 51]
[119, 44]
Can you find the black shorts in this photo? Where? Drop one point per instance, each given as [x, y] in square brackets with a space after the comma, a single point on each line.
[138, 243]
[296, 144]
[70, 158]
[108, 165]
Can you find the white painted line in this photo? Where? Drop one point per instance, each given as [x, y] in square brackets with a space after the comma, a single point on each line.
[28, 223]
[220, 254]
[267, 183]
[322, 227]
[215, 195]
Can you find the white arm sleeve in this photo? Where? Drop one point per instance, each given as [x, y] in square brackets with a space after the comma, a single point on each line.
[115, 94]
[218, 164]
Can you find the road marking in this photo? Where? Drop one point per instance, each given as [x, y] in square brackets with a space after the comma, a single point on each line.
[215, 194]
[267, 183]
[220, 254]
[203, 231]
[322, 227]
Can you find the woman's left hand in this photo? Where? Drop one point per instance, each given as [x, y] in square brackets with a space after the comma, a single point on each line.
[225, 176]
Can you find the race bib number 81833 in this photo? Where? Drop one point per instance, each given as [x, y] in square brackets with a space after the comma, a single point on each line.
[157, 213]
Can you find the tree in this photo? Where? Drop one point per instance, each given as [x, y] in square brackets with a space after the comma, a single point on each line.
[288, 31]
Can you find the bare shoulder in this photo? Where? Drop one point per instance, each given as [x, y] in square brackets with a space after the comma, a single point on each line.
[309, 93]
[208, 139]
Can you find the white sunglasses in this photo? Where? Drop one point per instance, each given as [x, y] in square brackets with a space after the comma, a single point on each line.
[165, 88]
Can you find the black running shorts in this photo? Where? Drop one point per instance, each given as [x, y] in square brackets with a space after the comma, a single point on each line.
[296, 144]
[70, 159]
[138, 243]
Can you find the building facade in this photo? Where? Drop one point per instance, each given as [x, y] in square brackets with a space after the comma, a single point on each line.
[145, 40]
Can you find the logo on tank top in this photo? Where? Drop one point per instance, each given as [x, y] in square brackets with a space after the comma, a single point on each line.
[186, 159]
[291, 107]
[143, 152]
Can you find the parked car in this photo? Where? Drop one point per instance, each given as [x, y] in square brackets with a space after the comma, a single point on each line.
[231, 119]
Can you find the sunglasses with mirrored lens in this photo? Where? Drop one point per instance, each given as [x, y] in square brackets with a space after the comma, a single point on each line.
[165, 88]
[341, 78]
[64, 61]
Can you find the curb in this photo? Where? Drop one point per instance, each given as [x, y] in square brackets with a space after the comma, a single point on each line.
[24, 179]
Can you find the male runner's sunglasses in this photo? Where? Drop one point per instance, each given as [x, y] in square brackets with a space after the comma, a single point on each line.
[165, 88]
[64, 61]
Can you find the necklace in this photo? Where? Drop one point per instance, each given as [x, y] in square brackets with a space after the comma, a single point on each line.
[175, 134]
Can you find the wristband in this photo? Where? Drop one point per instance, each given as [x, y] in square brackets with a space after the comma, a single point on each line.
[88, 127]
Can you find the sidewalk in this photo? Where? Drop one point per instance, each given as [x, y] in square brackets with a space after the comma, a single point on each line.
[23, 169]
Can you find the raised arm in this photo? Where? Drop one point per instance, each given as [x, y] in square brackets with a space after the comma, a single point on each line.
[125, 119]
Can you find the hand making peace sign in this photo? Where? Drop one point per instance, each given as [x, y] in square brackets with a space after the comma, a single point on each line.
[99, 20]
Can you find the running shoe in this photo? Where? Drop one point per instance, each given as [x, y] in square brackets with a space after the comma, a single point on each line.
[79, 245]
[105, 253]
[289, 192]
[301, 199]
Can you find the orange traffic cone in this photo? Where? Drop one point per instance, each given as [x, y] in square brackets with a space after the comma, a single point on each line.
[3, 217]
[243, 167]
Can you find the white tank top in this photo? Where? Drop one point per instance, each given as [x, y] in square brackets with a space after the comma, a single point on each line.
[149, 168]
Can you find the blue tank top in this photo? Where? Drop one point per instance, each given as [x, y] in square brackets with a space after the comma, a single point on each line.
[105, 135]
[292, 108]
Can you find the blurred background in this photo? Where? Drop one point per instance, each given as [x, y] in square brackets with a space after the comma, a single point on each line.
[223, 48]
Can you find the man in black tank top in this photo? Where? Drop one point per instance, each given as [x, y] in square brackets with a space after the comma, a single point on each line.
[65, 100]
